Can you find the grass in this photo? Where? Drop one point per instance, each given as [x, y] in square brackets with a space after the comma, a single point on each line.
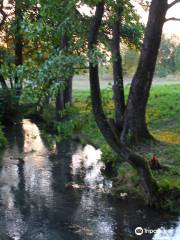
[163, 117]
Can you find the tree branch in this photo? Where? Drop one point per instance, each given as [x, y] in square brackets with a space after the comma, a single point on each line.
[173, 3]
[172, 19]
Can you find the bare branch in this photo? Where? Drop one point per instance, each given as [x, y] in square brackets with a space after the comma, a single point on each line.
[173, 3]
[172, 19]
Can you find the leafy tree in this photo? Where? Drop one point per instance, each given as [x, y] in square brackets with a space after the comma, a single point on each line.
[130, 60]
[177, 59]
[12, 34]
[166, 58]
[134, 116]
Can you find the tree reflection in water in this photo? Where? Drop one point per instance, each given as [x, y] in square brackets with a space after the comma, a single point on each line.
[66, 197]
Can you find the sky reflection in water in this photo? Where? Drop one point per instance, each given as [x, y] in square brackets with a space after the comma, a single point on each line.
[35, 202]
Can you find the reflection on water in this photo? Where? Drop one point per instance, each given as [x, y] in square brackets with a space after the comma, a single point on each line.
[94, 214]
[167, 234]
[32, 139]
[87, 162]
[37, 167]
[25, 181]
[66, 197]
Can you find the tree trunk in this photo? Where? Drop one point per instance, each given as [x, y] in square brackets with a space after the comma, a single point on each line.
[118, 86]
[59, 105]
[135, 119]
[64, 97]
[3, 82]
[147, 181]
[18, 44]
[68, 92]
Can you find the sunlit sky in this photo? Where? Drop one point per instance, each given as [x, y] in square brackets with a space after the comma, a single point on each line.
[170, 27]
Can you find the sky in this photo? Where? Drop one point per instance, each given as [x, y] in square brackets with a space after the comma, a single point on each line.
[170, 27]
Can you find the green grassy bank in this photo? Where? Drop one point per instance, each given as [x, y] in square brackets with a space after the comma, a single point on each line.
[163, 117]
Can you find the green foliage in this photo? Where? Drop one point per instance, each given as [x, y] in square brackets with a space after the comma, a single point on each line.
[132, 34]
[108, 155]
[130, 59]
[168, 61]
[49, 115]
[97, 56]
[168, 188]
[8, 105]
[3, 140]
[165, 185]
[168, 57]
[48, 78]
[177, 58]
[132, 30]
[42, 27]
[70, 126]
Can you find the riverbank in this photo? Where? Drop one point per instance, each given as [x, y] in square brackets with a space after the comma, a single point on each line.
[163, 121]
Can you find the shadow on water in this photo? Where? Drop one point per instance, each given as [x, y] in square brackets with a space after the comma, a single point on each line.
[65, 197]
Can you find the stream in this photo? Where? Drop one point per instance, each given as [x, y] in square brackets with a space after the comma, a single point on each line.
[66, 197]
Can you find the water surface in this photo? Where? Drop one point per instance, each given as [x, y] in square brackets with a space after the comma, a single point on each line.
[65, 196]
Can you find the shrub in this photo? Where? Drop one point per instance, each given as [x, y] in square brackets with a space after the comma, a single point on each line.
[3, 140]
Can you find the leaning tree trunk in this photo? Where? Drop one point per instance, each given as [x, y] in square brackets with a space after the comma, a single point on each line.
[135, 114]
[148, 183]
[118, 86]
